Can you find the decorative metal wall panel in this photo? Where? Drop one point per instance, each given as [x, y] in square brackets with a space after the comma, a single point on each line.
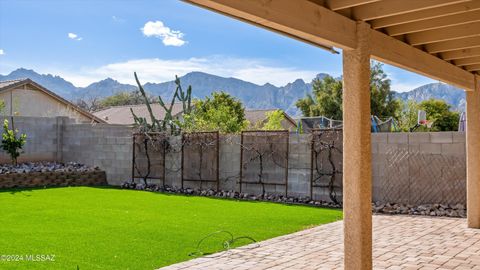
[264, 159]
[200, 154]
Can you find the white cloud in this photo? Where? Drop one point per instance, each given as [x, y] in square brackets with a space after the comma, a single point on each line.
[168, 36]
[74, 36]
[117, 19]
[2, 52]
[160, 70]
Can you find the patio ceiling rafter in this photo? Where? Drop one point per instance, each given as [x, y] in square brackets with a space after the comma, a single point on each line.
[386, 8]
[421, 15]
[310, 21]
[342, 4]
[467, 61]
[460, 54]
[435, 23]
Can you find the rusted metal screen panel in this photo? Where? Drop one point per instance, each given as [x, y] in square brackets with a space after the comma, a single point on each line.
[326, 166]
[149, 156]
[264, 160]
[200, 158]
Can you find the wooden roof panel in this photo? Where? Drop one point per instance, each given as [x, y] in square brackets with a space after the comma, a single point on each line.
[443, 34]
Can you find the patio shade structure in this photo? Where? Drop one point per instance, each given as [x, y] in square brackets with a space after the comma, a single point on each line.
[436, 38]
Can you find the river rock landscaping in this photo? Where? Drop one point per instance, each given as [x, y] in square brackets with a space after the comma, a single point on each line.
[44, 174]
[29, 167]
[448, 210]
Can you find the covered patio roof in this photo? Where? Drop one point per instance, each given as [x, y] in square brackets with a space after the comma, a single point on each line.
[436, 38]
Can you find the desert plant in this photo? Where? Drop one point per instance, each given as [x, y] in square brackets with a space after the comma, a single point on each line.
[169, 123]
[11, 143]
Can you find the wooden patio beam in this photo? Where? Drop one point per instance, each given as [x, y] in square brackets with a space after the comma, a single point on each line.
[316, 24]
[460, 54]
[392, 51]
[343, 4]
[435, 23]
[444, 34]
[452, 45]
[302, 19]
[475, 67]
[467, 61]
[426, 14]
[388, 8]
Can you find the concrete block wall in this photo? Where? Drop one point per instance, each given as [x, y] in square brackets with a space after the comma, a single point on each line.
[106, 146]
[229, 162]
[299, 166]
[42, 138]
[419, 168]
[410, 168]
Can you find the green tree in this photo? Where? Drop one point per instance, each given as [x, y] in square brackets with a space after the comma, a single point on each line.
[382, 102]
[327, 96]
[326, 99]
[220, 111]
[408, 115]
[440, 113]
[11, 143]
[123, 98]
[2, 107]
[274, 120]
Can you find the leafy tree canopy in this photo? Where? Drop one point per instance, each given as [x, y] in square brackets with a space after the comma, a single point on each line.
[11, 143]
[439, 112]
[220, 111]
[123, 98]
[327, 96]
[274, 120]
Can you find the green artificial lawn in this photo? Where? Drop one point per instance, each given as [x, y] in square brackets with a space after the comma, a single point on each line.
[108, 228]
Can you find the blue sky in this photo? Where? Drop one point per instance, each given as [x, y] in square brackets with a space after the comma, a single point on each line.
[86, 41]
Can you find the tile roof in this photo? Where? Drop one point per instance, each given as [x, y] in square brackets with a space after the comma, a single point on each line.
[122, 115]
[6, 84]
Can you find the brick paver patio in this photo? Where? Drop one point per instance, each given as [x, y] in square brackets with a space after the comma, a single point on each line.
[400, 242]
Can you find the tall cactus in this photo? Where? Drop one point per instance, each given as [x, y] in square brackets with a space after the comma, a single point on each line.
[168, 123]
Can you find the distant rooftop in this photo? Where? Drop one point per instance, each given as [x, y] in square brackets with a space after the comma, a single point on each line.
[123, 116]
[7, 84]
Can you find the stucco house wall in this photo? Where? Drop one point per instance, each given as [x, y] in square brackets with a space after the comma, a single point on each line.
[28, 99]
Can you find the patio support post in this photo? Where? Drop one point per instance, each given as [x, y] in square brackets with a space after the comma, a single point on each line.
[473, 156]
[357, 172]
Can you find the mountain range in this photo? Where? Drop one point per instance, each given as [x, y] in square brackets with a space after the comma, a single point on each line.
[252, 95]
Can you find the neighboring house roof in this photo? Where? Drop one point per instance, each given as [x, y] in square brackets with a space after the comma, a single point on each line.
[123, 116]
[14, 84]
[260, 115]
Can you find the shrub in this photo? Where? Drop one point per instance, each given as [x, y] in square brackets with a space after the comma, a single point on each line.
[11, 143]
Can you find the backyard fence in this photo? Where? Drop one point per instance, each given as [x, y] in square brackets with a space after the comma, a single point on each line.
[442, 178]
[412, 168]
[200, 154]
[326, 162]
[264, 161]
[148, 159]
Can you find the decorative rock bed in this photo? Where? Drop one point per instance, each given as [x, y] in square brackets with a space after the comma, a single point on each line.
[446, 210]
[231, 195]
[40, 174]
[457, 210]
